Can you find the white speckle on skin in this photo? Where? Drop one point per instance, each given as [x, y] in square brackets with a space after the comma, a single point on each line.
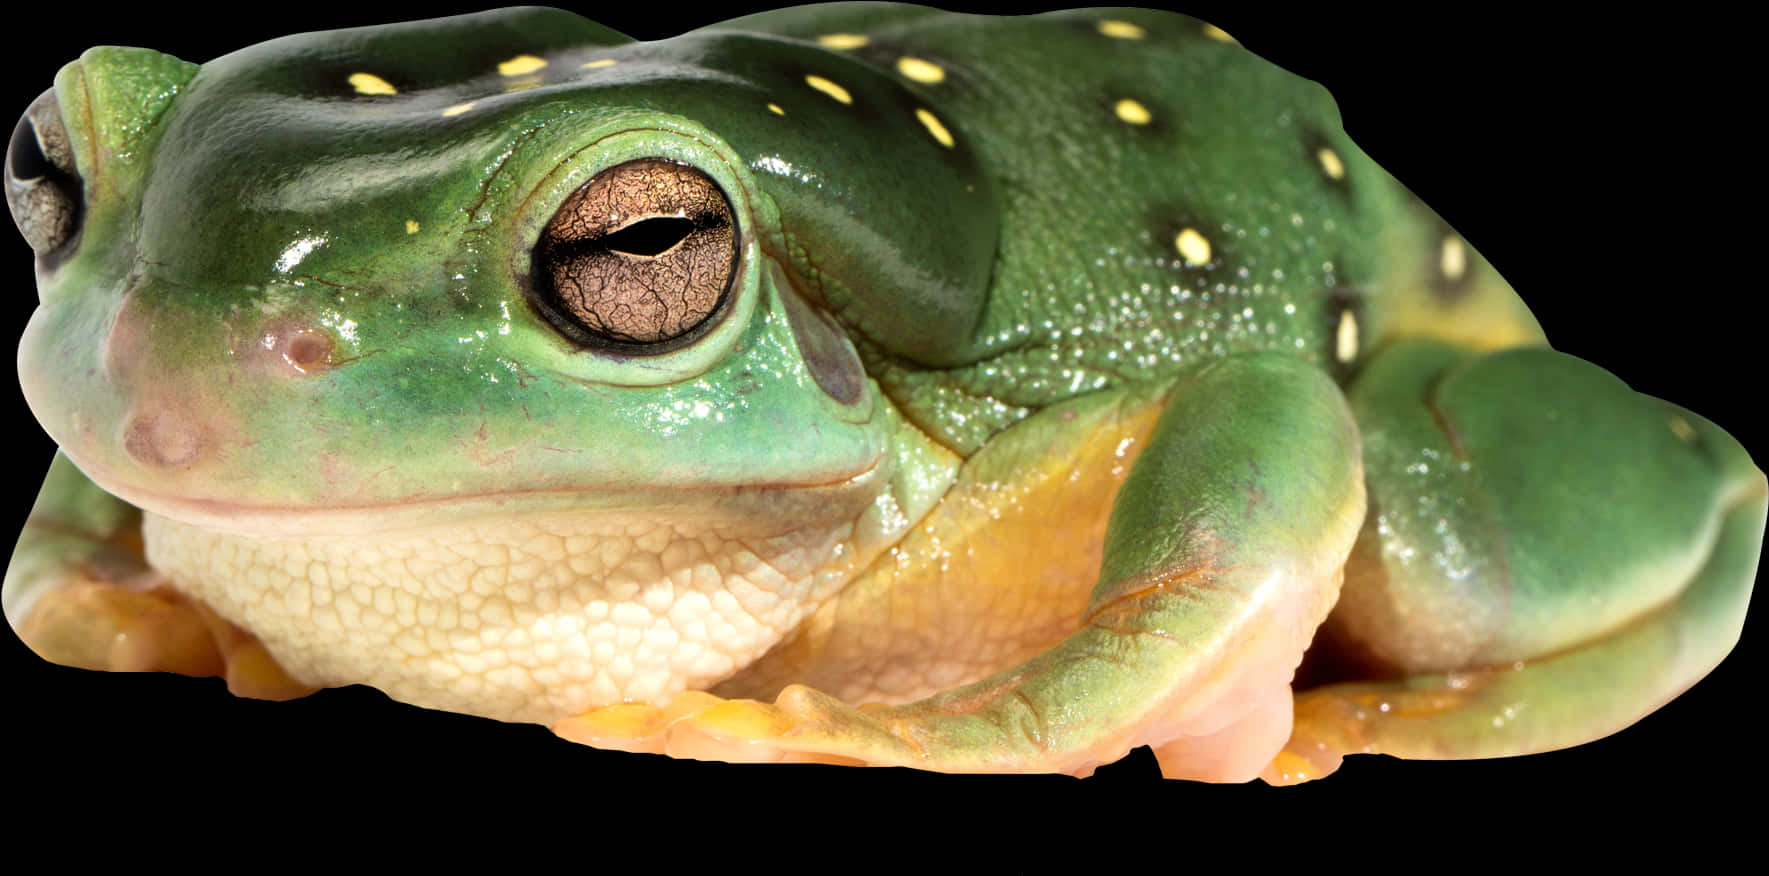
[840, 94]
[369, 83]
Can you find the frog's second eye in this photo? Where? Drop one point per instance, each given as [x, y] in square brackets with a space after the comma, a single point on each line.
[42, 188]
[641, 254]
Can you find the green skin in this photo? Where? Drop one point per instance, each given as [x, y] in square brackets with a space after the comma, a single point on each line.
[914, 276]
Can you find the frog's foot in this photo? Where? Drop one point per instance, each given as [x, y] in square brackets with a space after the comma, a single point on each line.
[1215, 575]
[79, 593]
[1569, 555]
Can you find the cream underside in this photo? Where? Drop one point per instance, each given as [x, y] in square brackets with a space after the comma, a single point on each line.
[532, 618]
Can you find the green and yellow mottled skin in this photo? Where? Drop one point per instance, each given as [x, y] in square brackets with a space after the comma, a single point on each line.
[1123, 336]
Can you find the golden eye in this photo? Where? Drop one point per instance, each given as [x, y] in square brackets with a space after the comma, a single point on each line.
[641, 254]
[42, 187]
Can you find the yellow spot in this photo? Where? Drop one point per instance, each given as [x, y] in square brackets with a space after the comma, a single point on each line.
[1219, 35]
[1330, 163]
[842, 40]
[1122, 30]
[411, 226]
[829, 88]
[932, 123]
[920, 71]
[1132, 112]
[599, 63]
[1345, 343]
[1452, 258]
[369, 83]
[1192, 247]
[521, 64]
[776, 110]
[1684, 431]
[458, 108]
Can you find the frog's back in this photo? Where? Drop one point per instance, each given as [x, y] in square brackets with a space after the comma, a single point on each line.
[1162, 196]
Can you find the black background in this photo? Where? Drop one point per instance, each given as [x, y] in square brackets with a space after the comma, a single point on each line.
[1600, 163]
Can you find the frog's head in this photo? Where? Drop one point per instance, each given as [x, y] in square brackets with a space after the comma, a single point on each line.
[414, 266]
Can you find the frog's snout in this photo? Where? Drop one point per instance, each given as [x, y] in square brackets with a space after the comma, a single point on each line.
[42, 185]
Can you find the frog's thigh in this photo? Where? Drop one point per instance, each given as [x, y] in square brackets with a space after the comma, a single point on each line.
[79, 593]
[1549, 556]
[1222, 554]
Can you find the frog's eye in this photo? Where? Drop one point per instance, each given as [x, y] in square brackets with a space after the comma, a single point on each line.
[42, 188]
[642, 254]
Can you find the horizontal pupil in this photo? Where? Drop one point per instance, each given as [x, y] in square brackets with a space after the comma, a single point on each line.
[649, 237]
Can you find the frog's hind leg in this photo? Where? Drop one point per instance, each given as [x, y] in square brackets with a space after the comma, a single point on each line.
[1221, 555]
[1549, 556]
[79, 593]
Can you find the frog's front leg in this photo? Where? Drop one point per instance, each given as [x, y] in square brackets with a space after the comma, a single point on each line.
[1549, 556]
[1222, 554]
[79, 593]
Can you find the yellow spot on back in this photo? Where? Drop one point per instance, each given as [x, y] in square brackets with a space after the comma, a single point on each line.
[829, 88]
[599, 63]
[1220, 35]
[776, 110]
[920, 71]
[1122, 30]
[369, 83]
[1684, 431]
[1132, 112]
[1192, 247]
[1345, 340]
[458, 108]
[842, 40]
[411, 226]
[932, 123]
[1452, 257]
[521, 64]
[1330, 163]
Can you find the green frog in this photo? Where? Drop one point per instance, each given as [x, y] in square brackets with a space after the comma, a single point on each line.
[808, 388]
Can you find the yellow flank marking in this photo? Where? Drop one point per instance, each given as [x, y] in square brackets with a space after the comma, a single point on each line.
[1122, 30]
[599, 63]
[1345, 341]
[776, 110]
[1452, 257]
[1220, 35]
[1330, 163]
[1132, 112]
[458, 108]
[369, 83]
[411, 226]
[932, 123]
[521, 64]
[920, 71]
[843, 40]
[1684, 431]
[1192, 247]
[829, 88]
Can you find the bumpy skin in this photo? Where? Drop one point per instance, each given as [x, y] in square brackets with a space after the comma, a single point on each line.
[936, 414]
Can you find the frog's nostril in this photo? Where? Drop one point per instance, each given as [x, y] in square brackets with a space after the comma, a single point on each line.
[42, 186]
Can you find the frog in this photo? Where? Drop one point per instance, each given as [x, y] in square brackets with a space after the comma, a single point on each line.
[974, 452]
